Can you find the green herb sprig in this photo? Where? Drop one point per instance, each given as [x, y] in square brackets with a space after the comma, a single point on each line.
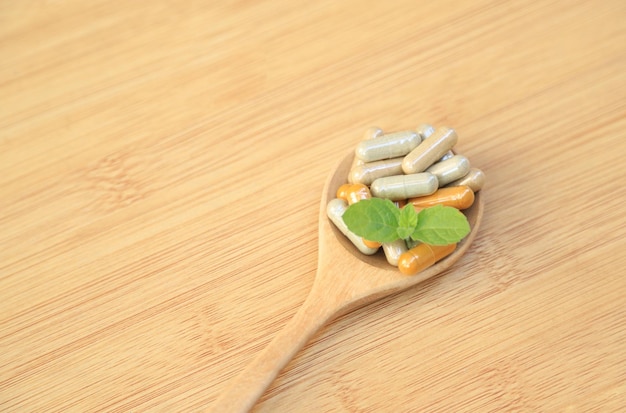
[380, 220]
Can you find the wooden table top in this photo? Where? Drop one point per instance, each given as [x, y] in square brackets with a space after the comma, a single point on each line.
[161, 166]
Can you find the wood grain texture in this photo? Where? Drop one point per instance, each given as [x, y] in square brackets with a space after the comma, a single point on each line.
[346, 279]
[161, 165]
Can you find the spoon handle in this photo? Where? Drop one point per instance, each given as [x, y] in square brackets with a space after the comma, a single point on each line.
[251, 383]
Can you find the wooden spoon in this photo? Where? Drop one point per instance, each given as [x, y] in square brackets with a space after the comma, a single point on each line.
[345, 280]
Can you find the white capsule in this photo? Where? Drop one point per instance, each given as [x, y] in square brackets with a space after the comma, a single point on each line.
[424, 130]
[387, 146]
[401, 187]
[368, 172]
[393, 250]
[370, 133]
[475, 179]
[335, 209]
[429, 151]
[450, 170]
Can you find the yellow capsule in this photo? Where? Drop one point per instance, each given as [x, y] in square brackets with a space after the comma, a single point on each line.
[475, 179]
[450, 169]
[459, 197]
[387, 146]
[368, 172]
[342, 192]
[422, 256]
[357, 192]
[429, 151]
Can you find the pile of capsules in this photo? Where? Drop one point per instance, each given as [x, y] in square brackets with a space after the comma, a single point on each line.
[416, 167]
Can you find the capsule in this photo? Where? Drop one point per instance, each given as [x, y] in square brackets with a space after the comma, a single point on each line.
[459, 197]
[475, 179]
[424, 130]
[335, 210]
[422, 256]
[450, 170]
[387, 146]
[429, 151]
[400, 203]
[342, 192]
[404, 186]
[393, 251]
[368, 172]
[355, 162]
[354, 194]
[370, 133]
[446, 156]
[357, 192]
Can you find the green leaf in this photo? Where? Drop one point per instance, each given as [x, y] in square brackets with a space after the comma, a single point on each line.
[374, 219]
[441, 225]
[407, 221]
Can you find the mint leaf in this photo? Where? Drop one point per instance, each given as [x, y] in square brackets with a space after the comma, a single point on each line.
[440, 225]
[374, 219]
[407, 221]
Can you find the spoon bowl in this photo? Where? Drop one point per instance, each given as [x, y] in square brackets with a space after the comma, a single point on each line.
[346, 279]
[370, 277]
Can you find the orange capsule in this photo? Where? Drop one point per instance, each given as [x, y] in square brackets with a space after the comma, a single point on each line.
[459, 197]
[342, 192]
[357, 192]
[422, 256]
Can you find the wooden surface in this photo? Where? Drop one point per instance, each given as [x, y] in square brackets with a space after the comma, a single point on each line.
[161, 165]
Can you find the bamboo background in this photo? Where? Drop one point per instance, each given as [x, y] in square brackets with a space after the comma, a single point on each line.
[161, 165]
